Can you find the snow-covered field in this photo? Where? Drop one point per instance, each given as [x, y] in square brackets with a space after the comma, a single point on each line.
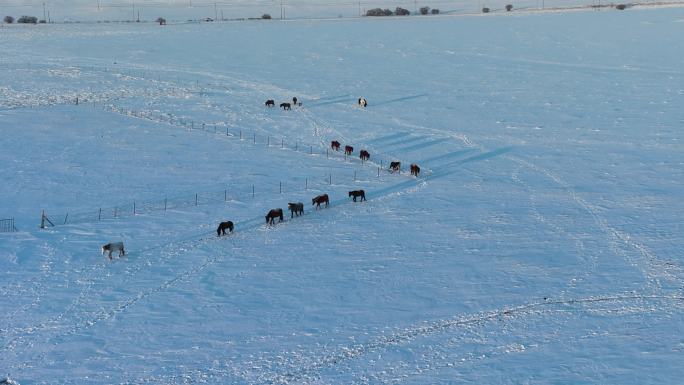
[542, 242]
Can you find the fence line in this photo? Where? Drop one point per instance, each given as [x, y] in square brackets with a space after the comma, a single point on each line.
[225, 196]
[7, 225]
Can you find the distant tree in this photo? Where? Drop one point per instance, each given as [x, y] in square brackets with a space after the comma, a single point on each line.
[378, 12]
[266, 16]
[8, 19]
[401, 11]
[27, 20]
[485, 10]
[435, 11]
[161, 21]
[621, 7]
[424, 10]
[509, 7]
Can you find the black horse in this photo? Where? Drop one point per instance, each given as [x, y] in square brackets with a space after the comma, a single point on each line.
[286, 106]
[294, 100]
[273, 214]
[296, 208]
[270, 103]
[395, 166]
[223, 226]
[358, 193]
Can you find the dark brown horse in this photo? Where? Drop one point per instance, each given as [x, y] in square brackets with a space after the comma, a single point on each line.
[348, 150]
[296, 208]
[364, 155]
[358, 193]
[395, 166]
[286, 106]
[270, 103]
[320, 199]
[273, 214]
[223, 226]
[415, 170]
[335, 145]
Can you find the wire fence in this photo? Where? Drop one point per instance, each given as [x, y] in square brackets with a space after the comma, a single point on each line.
[359, 170]
[7, 225]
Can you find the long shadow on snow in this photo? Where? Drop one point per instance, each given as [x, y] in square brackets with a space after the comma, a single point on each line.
[387, 137]
[421, 145]
[398, 100]
[455, 154]
[340, 99]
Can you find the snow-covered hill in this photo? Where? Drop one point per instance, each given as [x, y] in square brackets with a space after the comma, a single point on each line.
[541, 242]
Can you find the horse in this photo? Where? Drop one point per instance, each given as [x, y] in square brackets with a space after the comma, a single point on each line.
[364, 155]
[415, 170]
[270, 103]
[395, 166]
[223, 226]
[294, 100]
[285, 106]
[296, 208]
[363, 102]
[114, 246]
[273, 214]
[335, 145]
[320, 199]
[358, 193]
[348, 150]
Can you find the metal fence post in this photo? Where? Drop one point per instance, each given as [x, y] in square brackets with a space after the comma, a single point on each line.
[196, 200]
[164, 203]
[252, 191]
[280, 187]
[255, 138]
[99, 215]
[133, 208]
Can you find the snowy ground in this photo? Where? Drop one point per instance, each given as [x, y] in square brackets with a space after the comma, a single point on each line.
[541, 244]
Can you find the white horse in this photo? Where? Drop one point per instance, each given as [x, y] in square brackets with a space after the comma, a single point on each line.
[114, 246]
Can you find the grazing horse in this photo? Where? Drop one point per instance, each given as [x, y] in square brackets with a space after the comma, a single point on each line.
[273, 214]
[415, 170]
[335, 145]
[270, 103]
[285, 106]
[320, 199]
[223, 226]
[395, 166]
[363, 102]
[348, 150]
[114, 246]
[296, 208]
[364, 155]
[358, 193]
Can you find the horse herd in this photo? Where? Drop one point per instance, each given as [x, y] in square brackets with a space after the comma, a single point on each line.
[365, 155]
[284, 105]
[296, 209]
